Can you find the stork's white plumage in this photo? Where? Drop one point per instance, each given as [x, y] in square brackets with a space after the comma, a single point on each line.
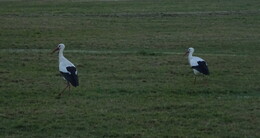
[66, 68]
[198, 64]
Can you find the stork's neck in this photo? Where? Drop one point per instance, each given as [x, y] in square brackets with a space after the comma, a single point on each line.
[61, 54]
[190, 55]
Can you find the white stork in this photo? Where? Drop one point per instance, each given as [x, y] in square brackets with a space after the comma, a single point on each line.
[198, 64]
[67, 69]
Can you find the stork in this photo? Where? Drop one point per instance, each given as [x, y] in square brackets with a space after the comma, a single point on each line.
[198, 64]
[67, 69]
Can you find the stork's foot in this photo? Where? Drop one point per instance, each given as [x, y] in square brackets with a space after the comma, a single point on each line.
[57, 97]
[68, 85]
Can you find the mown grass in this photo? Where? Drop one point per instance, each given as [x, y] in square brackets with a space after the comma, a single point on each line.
[136, 94]
[128, 96]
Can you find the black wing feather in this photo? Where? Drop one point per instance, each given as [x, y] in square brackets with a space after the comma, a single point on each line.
[202, 67]
[71, 77]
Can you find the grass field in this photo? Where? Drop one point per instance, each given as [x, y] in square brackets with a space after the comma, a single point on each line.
[134, 80]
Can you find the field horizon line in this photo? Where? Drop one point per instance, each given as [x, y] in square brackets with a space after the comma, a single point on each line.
[141, 52]
[156, 14]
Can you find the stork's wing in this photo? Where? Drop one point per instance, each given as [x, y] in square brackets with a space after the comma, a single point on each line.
[71, 75]
[194, 61]
[64, 63]
[202, 67]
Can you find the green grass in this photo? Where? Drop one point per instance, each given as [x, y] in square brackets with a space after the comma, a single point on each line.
[141, 93]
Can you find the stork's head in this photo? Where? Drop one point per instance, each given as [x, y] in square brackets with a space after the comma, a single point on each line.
[190, 50]
[59, 47]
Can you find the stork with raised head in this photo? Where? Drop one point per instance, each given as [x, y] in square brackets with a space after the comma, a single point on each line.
[67, 69]
[198, 64]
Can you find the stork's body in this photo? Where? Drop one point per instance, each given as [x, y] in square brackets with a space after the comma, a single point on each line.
[198, 64]
[67, 69]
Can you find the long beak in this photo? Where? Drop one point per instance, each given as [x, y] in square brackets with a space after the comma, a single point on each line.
[54, 50]
[186, 53]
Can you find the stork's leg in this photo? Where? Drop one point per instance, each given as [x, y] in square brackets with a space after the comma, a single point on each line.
[68, 85]
[195, 80]
[206, 80]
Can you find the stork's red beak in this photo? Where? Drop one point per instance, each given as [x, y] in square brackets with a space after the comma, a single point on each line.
[54, 50]
[186, 53]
